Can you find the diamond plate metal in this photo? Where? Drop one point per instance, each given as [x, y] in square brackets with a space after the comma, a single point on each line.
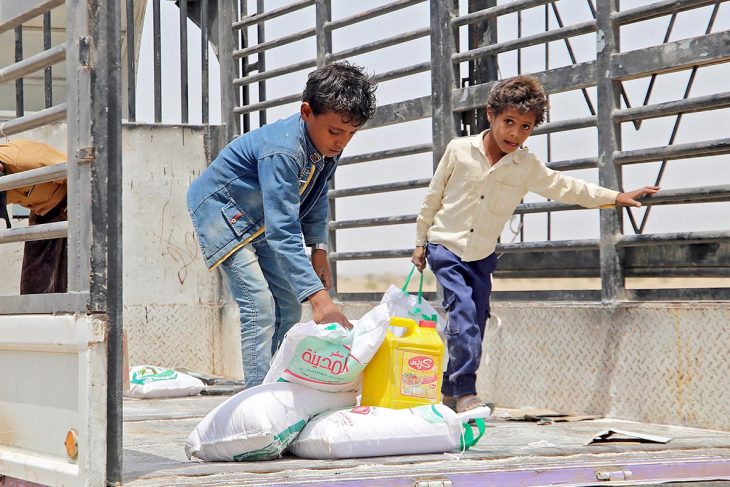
[658, 362]
[174, 335]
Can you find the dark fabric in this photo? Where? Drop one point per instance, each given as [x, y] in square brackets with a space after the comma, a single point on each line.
[4, 208]
[45, 262]
[467, 289]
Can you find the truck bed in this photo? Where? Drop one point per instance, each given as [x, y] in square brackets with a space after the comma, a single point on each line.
[510, 453]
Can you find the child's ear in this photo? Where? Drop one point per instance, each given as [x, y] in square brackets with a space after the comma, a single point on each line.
[306, 111]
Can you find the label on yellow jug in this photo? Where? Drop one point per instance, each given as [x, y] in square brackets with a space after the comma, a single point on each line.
[418, 375]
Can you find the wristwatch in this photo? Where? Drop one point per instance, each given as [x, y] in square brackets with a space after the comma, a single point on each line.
[320, 246]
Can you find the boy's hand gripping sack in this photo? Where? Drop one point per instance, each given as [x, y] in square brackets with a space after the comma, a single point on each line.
[260, 422]
[329, 357]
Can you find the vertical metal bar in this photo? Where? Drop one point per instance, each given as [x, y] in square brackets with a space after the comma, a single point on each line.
[48, 72]
[444, 75]
[19, 98]
[484, 69]
[157, 48]
[444, 42]
[184, 115]
[228, 67]
[79, 122]
[609, 141]
[261, 59]
[243, 40]
[95, 210]
[547, 115]
[519, 35]
[519, 71]
[323, 14]
[131, 68]
[204, 58]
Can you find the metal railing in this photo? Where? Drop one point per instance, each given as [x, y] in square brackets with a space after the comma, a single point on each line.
[454, 108]
[92, 110]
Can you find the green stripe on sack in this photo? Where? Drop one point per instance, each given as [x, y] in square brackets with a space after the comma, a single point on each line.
[275, 448]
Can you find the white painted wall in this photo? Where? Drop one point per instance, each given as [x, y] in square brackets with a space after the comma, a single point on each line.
[173, 311]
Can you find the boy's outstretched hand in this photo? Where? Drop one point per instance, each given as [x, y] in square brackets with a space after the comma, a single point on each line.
[419, 258]
[629, 198]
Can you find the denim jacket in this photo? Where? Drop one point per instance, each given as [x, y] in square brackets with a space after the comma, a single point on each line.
[268, 183]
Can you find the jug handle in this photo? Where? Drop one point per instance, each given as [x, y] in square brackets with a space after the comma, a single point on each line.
[406, 323]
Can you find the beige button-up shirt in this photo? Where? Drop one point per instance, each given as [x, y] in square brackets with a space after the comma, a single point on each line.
[469, 201]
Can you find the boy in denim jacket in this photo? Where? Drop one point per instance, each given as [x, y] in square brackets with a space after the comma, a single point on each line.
[479, 182]
[265, 197]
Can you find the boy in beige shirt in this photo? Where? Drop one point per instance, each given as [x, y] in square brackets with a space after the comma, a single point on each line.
[479, 182]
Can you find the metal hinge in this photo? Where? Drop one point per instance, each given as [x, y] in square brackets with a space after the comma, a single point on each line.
[84, 51]
[86, 155]
[611, 475]
[433, 483]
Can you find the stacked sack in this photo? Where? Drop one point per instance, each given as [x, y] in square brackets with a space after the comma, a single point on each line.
[317, 369]
[306, 405]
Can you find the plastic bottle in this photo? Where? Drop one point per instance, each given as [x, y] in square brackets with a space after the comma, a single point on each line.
[406, 371]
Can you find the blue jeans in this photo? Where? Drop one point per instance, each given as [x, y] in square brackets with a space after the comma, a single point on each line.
[467, 287]
[267, 304]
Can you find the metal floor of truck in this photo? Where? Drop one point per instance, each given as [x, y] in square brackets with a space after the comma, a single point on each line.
[510, 453]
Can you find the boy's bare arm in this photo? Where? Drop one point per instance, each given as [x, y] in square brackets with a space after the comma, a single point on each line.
[629, 198]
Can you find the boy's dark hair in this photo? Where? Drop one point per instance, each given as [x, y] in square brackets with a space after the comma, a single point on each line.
[525, 93]
[343, 88]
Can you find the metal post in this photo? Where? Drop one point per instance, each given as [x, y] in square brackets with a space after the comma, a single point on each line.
[609, 141]
[445, 123]
[483, 69]
[184, 61]
[228, 68]
[323, 14]
[204, 58]
[131, 71]
[444, 42]
[324, 37]
[243, 67]
[95, 210]
[261, 59]
[48, 72]
[157, 52]
[19, 98]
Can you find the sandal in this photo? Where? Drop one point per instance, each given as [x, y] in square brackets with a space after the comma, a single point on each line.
[450, 401]
[469, 402]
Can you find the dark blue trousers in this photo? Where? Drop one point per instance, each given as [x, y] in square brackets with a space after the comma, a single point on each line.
[467, 287]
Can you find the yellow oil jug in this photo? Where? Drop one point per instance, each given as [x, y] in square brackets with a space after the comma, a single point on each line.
[406, 371]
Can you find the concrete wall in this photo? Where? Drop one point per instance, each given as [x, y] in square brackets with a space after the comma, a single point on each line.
[173, 310]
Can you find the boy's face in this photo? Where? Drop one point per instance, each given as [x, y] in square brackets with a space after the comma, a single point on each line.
[329, 131]
[511, 128]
